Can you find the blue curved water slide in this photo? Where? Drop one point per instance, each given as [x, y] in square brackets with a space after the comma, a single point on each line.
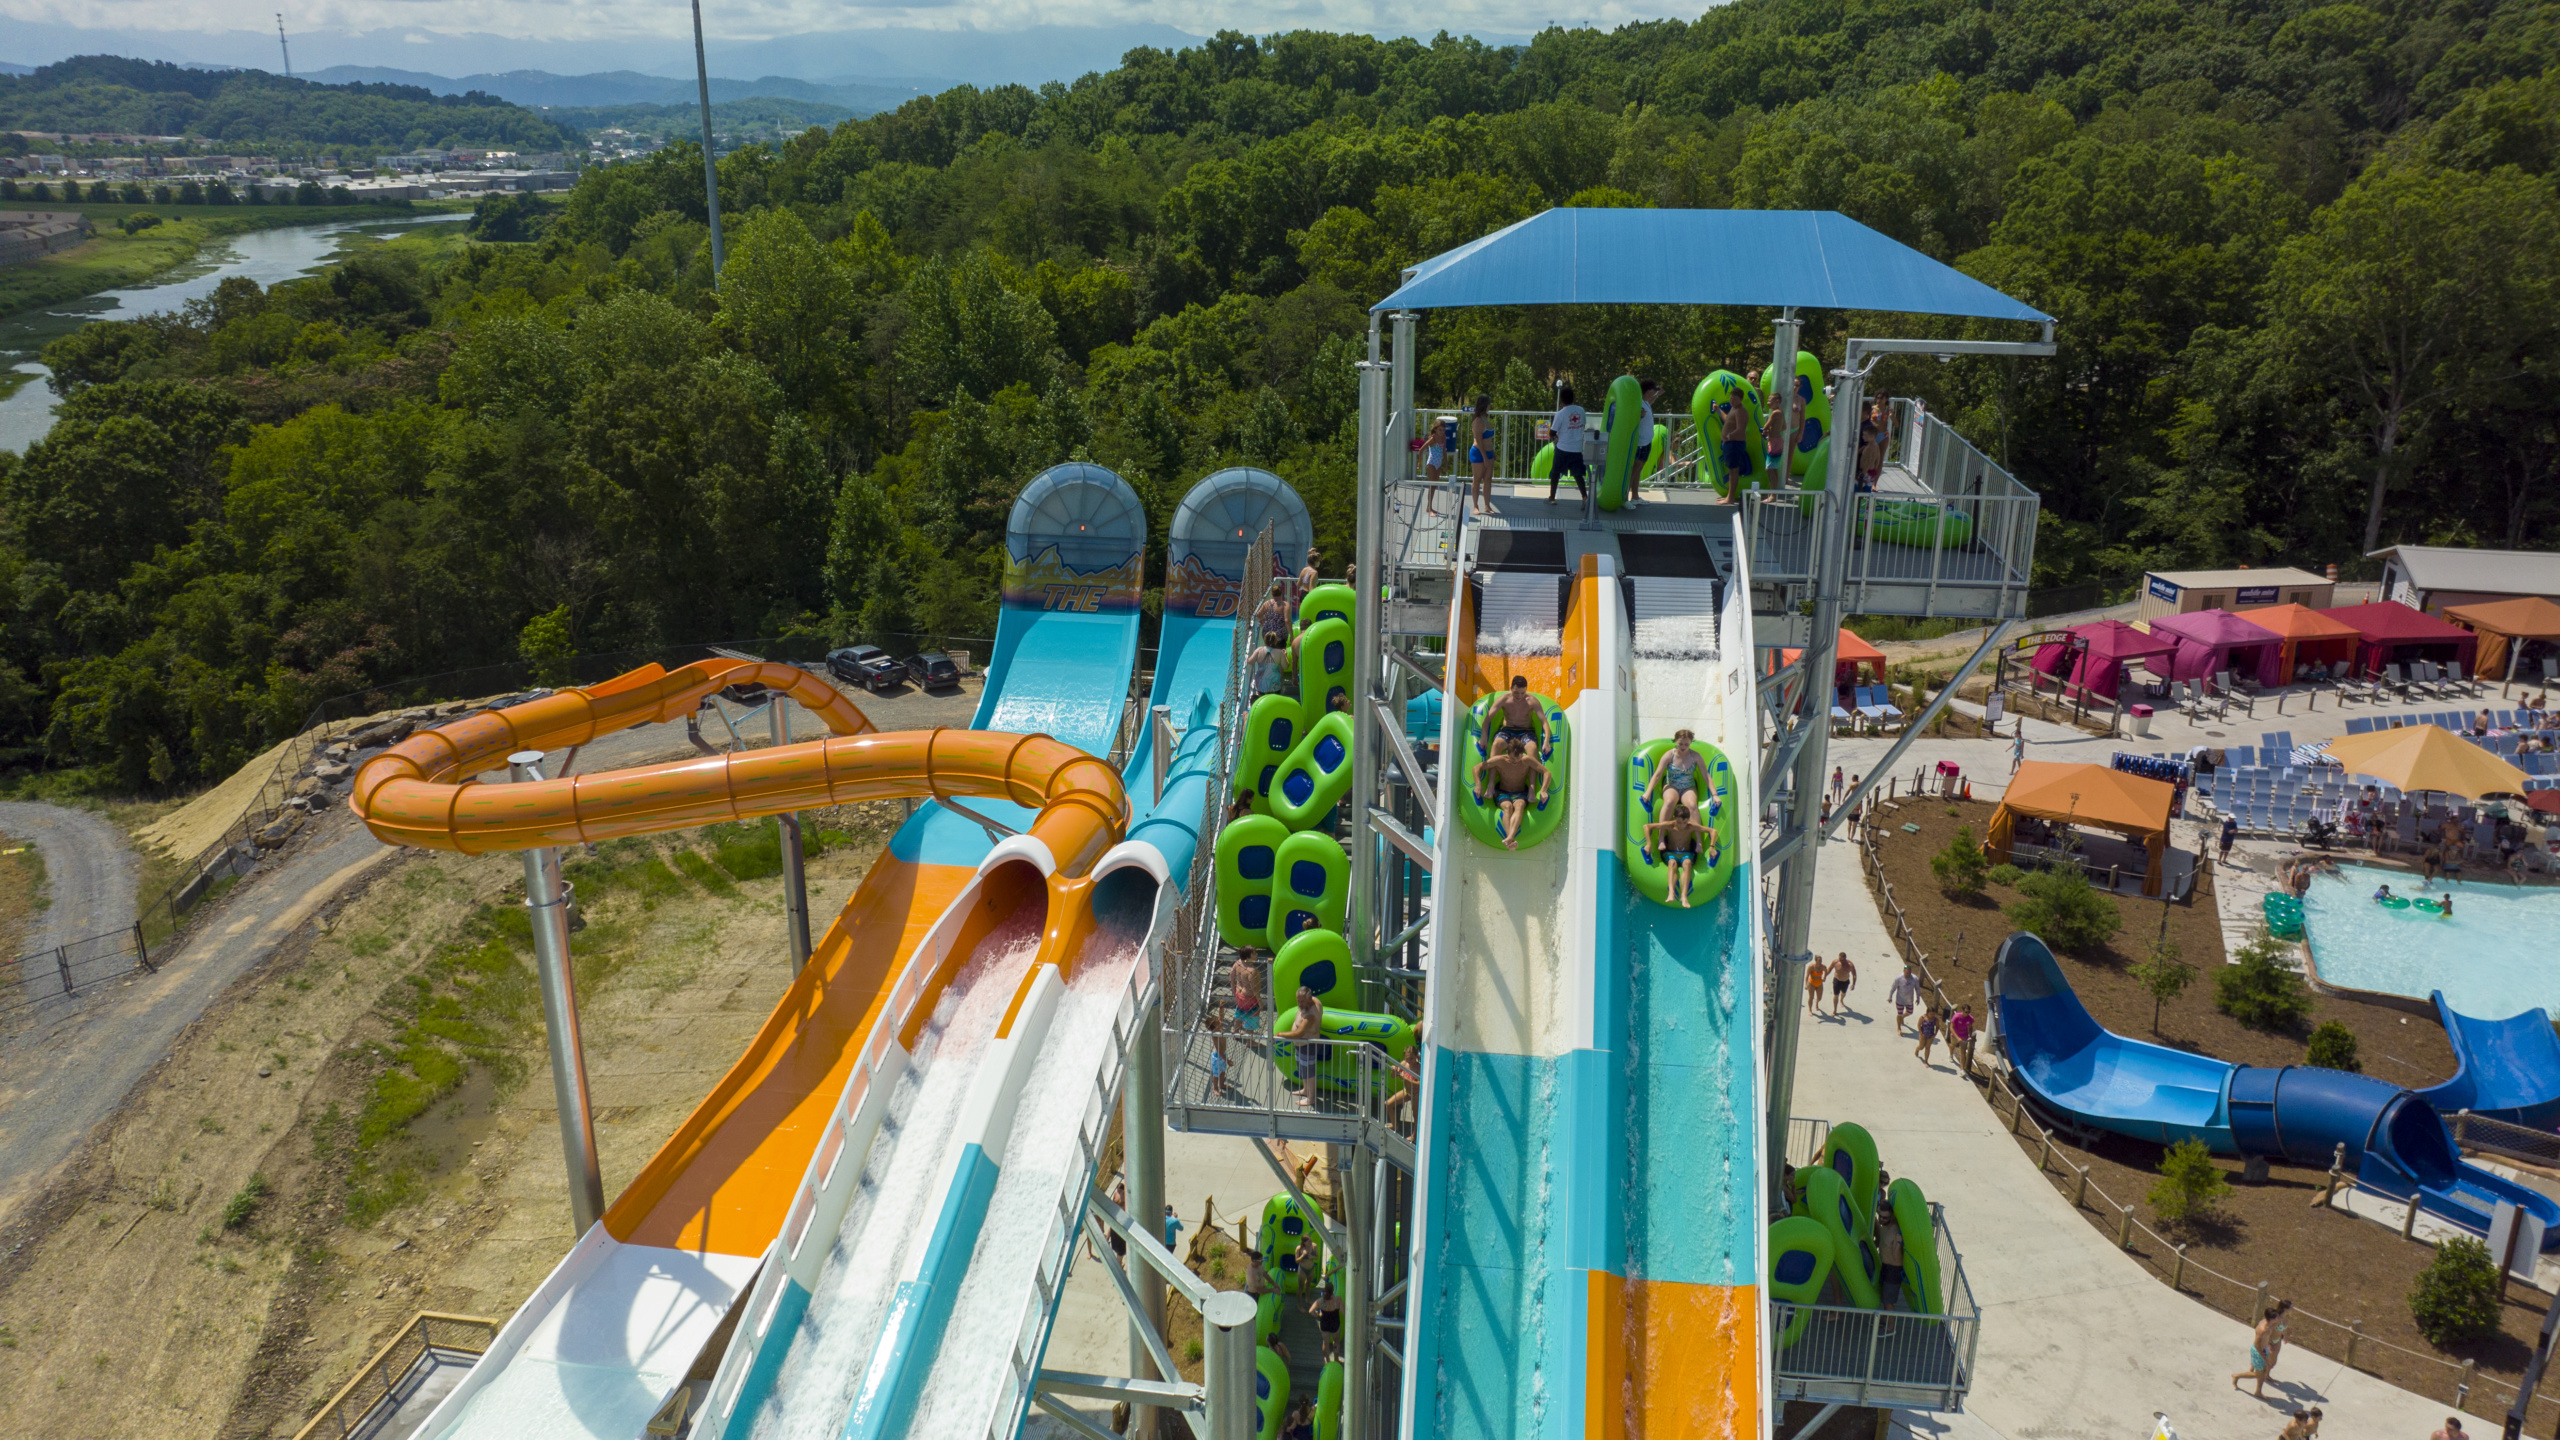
[2396, 1143]
[2504, 1069]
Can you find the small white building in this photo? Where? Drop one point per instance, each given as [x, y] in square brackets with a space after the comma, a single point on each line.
[2184, 592]
[2430, 577]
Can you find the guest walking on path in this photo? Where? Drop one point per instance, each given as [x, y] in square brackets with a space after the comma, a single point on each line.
[1928, 1034]
[1813, 971]
[1904, 992]
[1844, 978]
[2266, 1343]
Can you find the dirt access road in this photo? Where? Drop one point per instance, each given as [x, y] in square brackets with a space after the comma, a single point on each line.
[70, 1069]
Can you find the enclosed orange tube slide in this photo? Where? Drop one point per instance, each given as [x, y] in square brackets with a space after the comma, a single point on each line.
[724, 1180]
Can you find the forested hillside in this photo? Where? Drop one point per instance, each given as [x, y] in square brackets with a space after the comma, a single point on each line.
[91, 94]
[2302, 256]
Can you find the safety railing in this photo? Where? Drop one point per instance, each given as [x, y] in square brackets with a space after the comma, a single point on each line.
[387, 1379]
[2510, 1141]
[73, 966]
[1807, 1136]
[1230, 1082]
[1856, 1356]
[1924, 553]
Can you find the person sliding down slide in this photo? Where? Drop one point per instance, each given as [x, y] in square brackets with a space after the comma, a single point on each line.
[1678, 839]
[1522, 718]
[1514, 770]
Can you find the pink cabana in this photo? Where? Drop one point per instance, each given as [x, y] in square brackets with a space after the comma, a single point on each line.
[2097, 653]
[2212, 641]
[2393, 632]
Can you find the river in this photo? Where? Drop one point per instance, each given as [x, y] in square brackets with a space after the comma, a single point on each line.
[266, 256]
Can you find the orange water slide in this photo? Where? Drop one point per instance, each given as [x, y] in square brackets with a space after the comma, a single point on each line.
[725, 1179]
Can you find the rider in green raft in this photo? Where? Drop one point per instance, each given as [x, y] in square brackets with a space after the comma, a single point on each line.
[1522, 716]
[1515, 774]
[1680, 840]
[1677, 778]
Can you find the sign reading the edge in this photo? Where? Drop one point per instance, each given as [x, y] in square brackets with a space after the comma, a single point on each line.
[2163, 590]
[2256, 595]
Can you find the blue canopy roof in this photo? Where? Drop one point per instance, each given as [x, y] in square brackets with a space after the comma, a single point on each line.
[1814, 259]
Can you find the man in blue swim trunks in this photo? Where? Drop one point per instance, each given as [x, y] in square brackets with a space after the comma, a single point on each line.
[1516, 778]
[1679, 840]
[1736, 426]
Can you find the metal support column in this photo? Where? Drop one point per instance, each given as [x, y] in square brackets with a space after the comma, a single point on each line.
[1359, 1280]
[795, 879]
[1160, 745]
[1367, 619]
[1226, 1368]
[547, 903]
[1142, 1157]
[1795, 883]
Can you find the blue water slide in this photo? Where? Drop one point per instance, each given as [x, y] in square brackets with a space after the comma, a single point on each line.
[1066, 639]
[2504, 1069]
[1208, 547]
[2395, 1141]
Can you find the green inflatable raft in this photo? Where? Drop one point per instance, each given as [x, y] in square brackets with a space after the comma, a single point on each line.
[1706, 410]
[1340, 1067]
[1321, 961]
[1305, 786]
[1483, 815]
[1310, 886]
[1247, 855]
[1850, 1153]
[1921, 1286]
[1324, 665]
[1272, 728]
[1816, 405]
[1799, 1266]
[1826, 1203]
[1622, 421]
[1330, 601]
[1270, 1393]
[1647, 870]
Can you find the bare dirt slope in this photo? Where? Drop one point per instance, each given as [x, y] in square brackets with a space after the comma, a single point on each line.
[230, 1246]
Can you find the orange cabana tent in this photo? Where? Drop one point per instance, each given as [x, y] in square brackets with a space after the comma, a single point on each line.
[2309, 636]
[1853, 652]
[2088, 795]
[2502, 625]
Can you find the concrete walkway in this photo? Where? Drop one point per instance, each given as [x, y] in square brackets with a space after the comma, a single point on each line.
[2078, 1339]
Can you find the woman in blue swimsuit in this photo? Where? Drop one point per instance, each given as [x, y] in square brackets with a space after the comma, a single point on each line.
[1480, 453]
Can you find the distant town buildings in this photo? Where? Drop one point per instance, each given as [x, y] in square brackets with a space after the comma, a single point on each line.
[30, 234]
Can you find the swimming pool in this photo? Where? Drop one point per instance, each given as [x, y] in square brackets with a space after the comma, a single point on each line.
[2491, 959]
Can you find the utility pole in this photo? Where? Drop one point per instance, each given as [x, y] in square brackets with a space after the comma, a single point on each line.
[281, 45]
[710, 157]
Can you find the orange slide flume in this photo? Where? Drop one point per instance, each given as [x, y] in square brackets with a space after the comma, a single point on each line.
[724, 1180]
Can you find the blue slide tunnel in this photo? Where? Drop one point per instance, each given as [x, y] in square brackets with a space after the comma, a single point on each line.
[2396, 1143]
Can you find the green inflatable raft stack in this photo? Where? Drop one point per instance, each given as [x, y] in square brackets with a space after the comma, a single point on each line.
[1813, 439]
[1647, 871]
[1247, 856]
[1483, 816]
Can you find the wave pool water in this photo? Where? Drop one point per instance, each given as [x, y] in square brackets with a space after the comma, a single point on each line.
[2491, 957]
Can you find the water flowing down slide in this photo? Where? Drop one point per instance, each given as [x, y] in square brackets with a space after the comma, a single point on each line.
[1508, 1202]
[2504, 1069]
[2395, 1141]
[1675, 1341]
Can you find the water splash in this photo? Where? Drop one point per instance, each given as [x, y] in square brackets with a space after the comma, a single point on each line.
[907, 1161]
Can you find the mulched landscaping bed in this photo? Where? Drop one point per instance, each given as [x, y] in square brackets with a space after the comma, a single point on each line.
[2330, 1264]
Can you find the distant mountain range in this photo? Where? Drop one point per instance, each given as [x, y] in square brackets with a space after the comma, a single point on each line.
[859, 94]
[885, 55]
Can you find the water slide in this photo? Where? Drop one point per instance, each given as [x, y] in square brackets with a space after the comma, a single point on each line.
[1587, 1221]
[2396, 1143]
[981, 918]
[1677, 1345]
[2504, 1069]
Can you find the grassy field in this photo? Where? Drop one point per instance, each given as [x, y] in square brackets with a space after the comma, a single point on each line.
[114, 259]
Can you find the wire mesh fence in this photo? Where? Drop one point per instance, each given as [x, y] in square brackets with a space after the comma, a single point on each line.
[1884, 1357]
